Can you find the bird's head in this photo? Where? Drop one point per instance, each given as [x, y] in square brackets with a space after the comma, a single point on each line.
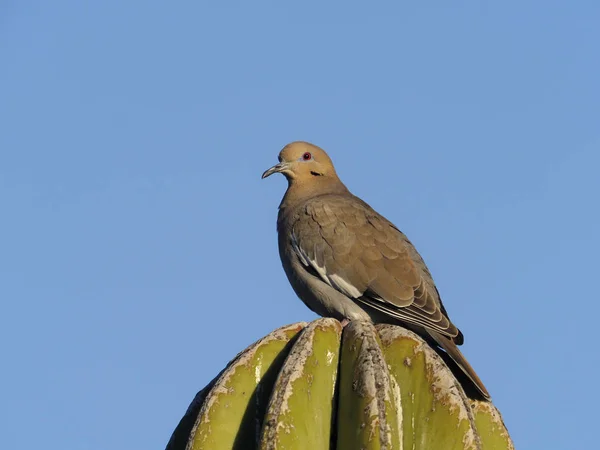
[303, 162]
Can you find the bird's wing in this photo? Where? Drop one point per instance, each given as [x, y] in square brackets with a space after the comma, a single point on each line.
[363, 255]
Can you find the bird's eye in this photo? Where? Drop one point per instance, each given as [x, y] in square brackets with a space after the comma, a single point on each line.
[307, 156]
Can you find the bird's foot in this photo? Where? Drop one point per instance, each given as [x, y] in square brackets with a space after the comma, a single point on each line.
[345, 322]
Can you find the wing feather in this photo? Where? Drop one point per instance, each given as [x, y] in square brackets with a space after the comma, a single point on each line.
[364, 256]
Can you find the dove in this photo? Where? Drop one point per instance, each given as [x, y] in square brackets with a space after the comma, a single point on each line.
[344, 260]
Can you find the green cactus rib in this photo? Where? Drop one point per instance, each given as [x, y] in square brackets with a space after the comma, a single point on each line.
[318, 387]
[300, 412]
[435, 411]
[491, 429]
[232, 412]
[367, 405]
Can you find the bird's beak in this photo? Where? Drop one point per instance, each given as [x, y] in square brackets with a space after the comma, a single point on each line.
[277, 168]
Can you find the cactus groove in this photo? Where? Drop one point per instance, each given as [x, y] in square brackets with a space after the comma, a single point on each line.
[318, 387]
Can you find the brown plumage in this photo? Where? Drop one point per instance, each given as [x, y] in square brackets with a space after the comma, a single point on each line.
[345, 260]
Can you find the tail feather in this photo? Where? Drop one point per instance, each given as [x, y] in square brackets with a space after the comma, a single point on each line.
[454, 353]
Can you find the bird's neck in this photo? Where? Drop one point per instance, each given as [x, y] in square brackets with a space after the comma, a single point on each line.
[300, 191]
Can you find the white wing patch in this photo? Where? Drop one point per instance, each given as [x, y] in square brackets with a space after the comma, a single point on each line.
[333, 280]
[343, 286]
[299, 252]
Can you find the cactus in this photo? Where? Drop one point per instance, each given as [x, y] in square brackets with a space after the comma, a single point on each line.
[315, 386]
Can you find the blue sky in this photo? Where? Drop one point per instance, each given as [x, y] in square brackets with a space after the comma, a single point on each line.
[138, 248]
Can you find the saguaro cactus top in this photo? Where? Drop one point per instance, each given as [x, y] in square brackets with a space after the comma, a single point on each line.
[315, 386]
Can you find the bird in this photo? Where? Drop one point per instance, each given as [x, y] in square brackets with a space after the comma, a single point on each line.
[344, 260]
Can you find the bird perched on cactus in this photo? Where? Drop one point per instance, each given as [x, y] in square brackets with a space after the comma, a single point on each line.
[345, 260]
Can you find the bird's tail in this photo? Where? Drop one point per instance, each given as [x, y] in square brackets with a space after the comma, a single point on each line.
[454, 353]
